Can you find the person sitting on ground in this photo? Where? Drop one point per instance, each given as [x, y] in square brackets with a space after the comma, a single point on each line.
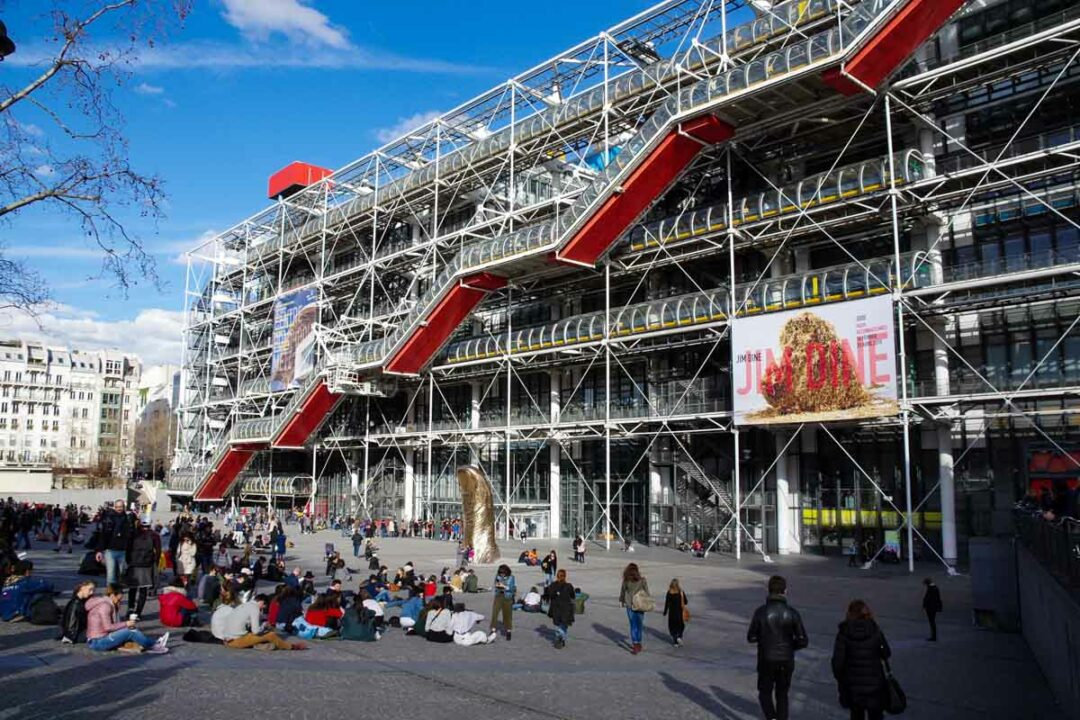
[73, 620]
[523, 558]
[399, 579]
[532, 602]
[430, 588]
[359, 624]
[383, 575]
[448, 596]
[307, 585]
[209, 588]
[177, 610]
[410, 610]
[457, 580]
[579, 601]
[471, 584]
[289, 608]
[338, 591]
[275, 571]
[242, 628]
[437, 627]
[325, 612]
[21, 591]
[293, 578]
[376, 590]
[331, 563]
[463, 624]
[364, 598]
[105, 633]
[420, 628]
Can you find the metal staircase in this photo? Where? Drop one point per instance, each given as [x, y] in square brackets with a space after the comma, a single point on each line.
[708, 503]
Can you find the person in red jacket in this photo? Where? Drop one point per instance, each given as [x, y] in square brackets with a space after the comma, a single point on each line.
[325, 611]
[177, 609]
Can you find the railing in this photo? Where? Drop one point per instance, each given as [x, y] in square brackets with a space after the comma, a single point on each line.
[1056, 543]
[547, 234]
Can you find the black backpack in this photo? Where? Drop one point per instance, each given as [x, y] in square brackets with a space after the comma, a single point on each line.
[43, 611]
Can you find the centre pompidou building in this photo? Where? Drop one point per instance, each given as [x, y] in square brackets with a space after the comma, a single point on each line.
[781, 277]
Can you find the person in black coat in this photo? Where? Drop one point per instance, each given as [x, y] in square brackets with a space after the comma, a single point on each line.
[674, 602]
[560, 597]
[931, 603]
[73, 621]
[857, 663]
[778, 632]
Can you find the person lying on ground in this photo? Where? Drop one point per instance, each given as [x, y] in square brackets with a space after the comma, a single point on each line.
[177, 610]
[21, 591]
[463, 625]
[410, 610]
[105, 633]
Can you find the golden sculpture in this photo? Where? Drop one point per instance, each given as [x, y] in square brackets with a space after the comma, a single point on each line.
[477, 514]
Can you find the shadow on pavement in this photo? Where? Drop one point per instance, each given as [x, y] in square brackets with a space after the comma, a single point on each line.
[697, 696]
[103, 689]
[613, 635]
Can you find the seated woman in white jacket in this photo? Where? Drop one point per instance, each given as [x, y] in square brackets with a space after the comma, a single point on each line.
[446, 626]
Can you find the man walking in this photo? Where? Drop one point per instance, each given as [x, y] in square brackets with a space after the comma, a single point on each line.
[114, 542]
[778, 632]
[931, 604]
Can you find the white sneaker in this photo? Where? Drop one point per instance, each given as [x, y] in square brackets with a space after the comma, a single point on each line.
[491, 636]
[163, 641]
[66, 641]
[157, 649]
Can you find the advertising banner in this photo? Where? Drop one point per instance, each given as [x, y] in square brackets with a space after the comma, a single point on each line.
[295, 314]
[829, 364]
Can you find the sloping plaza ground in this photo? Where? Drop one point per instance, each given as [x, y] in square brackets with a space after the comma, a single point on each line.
[968, 675]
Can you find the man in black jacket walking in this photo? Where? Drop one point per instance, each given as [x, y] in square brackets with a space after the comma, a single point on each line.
[931, 603]
[778, 632]
[114, 541]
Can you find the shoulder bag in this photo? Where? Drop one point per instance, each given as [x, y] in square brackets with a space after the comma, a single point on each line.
[642, 601]
[894, 701]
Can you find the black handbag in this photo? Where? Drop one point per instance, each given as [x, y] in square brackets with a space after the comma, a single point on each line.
[894, 701]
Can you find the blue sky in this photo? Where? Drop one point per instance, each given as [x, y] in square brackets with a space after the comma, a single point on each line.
[246, 86]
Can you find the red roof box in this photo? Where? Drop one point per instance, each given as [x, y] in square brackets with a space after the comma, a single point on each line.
[293, 178]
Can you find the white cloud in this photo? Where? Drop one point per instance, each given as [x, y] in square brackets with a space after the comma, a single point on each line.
[154, 334]
[261, 19]
[148, 89]
[209, 55]
[404, 125]
[54, 252]
[31, 129]
[44, 171]
[168, 103]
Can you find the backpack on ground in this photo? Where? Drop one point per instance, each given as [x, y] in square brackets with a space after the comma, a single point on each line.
[43, 611]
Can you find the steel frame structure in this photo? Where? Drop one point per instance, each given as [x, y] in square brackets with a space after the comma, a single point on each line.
[735, 232]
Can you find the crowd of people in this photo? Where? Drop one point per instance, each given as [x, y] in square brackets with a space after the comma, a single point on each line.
[205, 572]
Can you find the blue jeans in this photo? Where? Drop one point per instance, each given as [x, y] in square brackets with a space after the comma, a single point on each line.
[637, 624]
[115, 564]
[23, 537]
[561, 632]
[383, 596]
[117, 638]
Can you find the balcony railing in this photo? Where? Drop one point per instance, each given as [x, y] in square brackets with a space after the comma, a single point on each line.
[1056, 543]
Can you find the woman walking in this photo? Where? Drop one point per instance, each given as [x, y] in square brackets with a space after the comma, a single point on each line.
[560, 595]
[857, 663]
[675, 609]
[634, 596]
[185, 561]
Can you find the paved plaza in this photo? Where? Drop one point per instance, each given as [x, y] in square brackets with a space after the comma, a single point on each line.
[968, 675]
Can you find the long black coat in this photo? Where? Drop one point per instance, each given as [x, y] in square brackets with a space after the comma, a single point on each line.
[561, 603]
[856, 663]
[673, 605]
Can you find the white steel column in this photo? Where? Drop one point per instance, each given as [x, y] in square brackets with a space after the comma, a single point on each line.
[905, 410]
[555, 460]
[408, 511]
[607, 404]
[788, 525]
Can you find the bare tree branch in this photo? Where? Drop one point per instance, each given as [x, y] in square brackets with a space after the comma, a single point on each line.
[85, 172]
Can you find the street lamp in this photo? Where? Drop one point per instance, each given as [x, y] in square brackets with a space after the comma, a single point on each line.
[7, 45]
